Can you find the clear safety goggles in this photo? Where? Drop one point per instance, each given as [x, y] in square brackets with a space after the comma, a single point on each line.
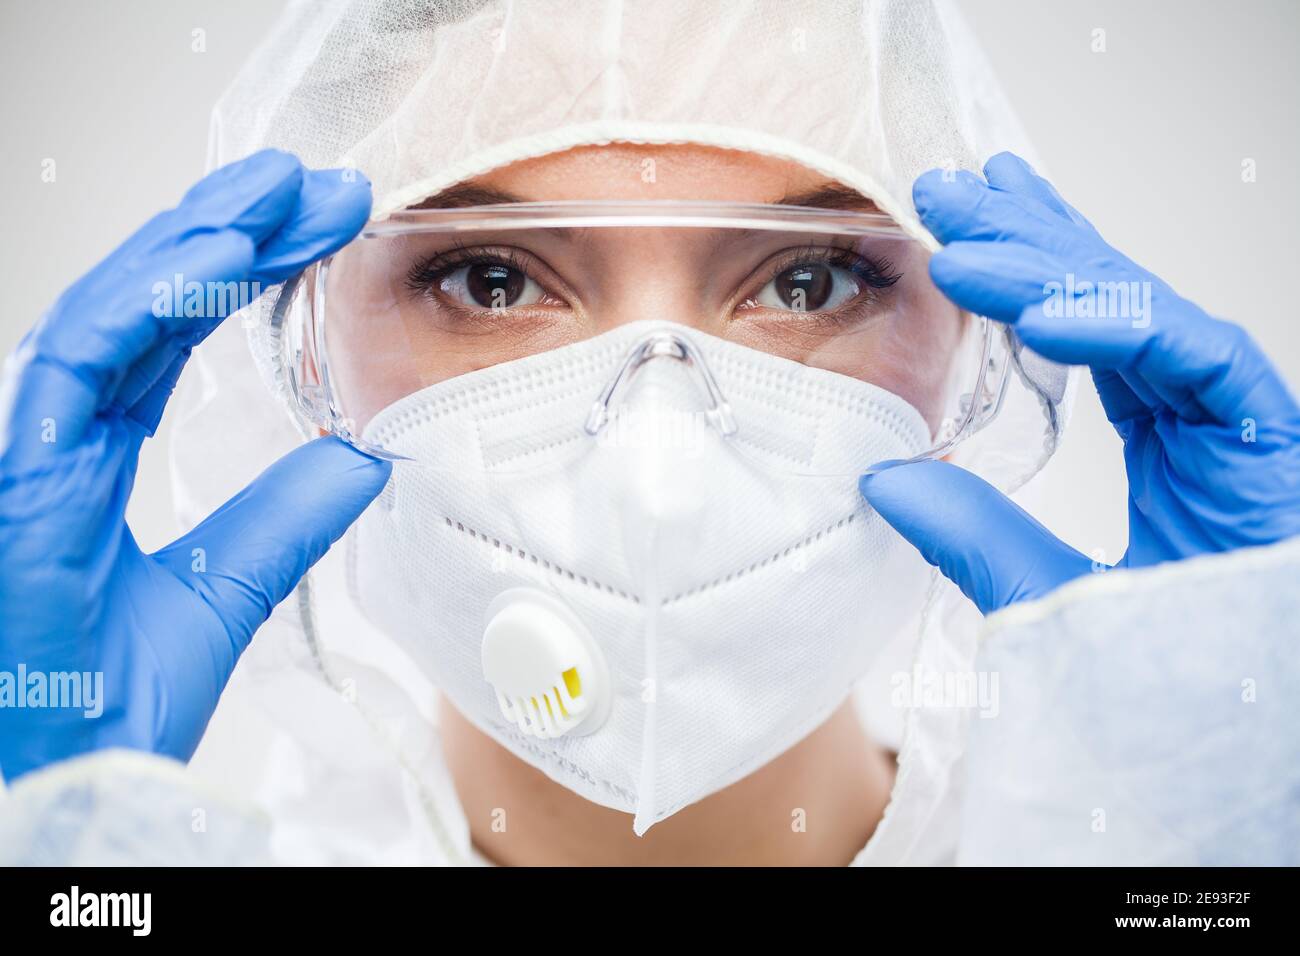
[430, 296]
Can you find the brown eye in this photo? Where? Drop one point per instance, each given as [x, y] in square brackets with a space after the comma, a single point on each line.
[810, 287]
[489, 285]
[805, 288]
[494, 286]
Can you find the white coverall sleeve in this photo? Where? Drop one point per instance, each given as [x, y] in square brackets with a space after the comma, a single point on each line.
[290, 772]
[1144, 717]
[126, 808]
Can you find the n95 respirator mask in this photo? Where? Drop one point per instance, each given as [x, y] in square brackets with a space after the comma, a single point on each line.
[640, 562]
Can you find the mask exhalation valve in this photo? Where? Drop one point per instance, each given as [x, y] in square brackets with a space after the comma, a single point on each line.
[549, 675]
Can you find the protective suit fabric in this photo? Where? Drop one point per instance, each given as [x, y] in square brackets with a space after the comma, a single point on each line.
[1112, 695]
[127, 807]
[1144, 718]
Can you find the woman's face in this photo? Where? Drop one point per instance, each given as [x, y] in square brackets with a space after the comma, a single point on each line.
[408, 312]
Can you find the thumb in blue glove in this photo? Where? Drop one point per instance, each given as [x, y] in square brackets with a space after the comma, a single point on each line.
[1211, 433]
[977, 537]
[149, 640]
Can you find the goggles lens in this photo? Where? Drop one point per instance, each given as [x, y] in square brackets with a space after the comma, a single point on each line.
[429, 296]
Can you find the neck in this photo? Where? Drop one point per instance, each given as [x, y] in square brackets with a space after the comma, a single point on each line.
[815, 805]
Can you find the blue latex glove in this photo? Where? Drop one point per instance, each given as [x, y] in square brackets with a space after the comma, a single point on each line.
[1211, 434]
[83, 390]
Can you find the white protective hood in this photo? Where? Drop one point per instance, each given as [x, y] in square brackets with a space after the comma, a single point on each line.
[422, 95]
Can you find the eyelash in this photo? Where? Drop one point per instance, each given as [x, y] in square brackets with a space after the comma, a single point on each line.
[875, 273]
[425, 274]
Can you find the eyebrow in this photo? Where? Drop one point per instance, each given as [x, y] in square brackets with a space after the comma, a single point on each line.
[831, 196]
[466, 195]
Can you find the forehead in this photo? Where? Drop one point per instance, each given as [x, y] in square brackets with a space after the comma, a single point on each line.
[682, 171]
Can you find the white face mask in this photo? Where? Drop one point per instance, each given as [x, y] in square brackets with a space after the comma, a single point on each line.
[654, 613]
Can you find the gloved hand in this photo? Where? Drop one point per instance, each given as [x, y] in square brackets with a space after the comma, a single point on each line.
[83, 390]
[1211, 434]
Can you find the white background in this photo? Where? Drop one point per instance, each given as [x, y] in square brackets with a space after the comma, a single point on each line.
[1147, 139]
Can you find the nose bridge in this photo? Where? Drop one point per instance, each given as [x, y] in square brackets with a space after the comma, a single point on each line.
[663, 346]
[654, 273]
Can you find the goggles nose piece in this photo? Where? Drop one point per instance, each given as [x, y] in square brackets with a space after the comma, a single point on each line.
[666, 344]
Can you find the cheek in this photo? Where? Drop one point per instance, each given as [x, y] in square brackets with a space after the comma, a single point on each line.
[929, 345]
[926, 360]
